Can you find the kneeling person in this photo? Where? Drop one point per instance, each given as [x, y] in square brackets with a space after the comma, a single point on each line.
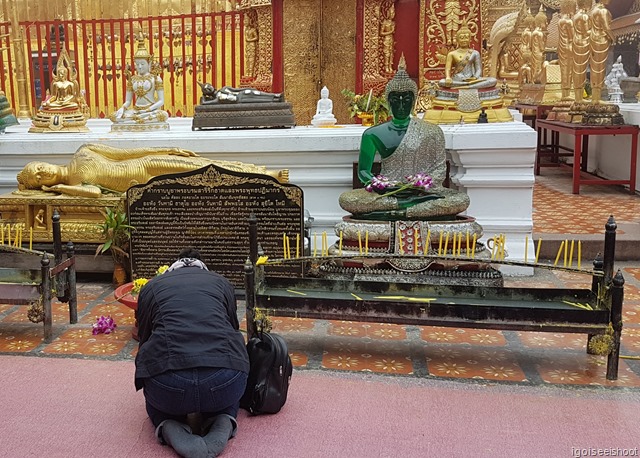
[192, 357]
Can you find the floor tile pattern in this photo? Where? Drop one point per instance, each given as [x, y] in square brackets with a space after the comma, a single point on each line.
[557, 211]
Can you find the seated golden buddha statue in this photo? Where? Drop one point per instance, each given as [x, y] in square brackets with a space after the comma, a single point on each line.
[463, 93]
[96, 169]
[410, 150]
[463, 66]
[64, 108]
[144, 98]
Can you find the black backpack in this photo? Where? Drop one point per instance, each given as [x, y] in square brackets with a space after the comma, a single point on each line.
[269, 374]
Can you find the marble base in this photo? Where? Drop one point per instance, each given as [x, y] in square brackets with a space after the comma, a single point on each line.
[493, 163]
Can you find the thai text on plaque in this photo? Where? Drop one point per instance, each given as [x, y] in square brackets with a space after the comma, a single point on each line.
[208, 209]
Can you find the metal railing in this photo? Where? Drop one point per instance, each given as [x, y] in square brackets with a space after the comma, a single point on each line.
[190, 48]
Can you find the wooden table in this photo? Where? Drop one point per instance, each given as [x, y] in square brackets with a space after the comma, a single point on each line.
[580, 151]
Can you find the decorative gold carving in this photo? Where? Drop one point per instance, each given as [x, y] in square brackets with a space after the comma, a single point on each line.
[500, 40]
[251, 38]
[302, 24]
[387, 30]
[79, 216]
[373, 56]
[264, 61]
[439, 22]
[245, 4]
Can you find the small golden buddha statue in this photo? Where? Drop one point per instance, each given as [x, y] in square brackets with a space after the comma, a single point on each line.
[64, 108]
[144, 98]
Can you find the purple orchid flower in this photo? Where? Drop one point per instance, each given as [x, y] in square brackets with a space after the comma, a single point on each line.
[104, 325]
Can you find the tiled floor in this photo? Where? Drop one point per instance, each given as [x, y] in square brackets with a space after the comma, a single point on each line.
[483, 356]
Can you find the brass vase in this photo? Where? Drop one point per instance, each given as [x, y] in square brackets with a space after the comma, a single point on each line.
[119, 274]
[366, 118]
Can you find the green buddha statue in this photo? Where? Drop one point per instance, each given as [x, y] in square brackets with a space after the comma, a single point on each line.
[407, 146]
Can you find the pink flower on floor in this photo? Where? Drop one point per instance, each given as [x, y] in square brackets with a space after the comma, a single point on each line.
[104, 325]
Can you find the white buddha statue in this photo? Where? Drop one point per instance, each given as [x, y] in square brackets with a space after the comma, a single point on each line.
[142, 108]
[324, 111]
[612, 81]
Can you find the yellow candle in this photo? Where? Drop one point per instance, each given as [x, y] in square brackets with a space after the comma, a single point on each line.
[1, 233]
[526, 247]
[473, 246]
[315, 244]
[360, 242]
[495, 246]
[366, 242]
[415, 242]
[566, 252]
[325, 244]
[284, 245]
[30, 238]
[579, 253]
[538, 250]
[340, 245]
[446, 243]
[454, 239]
[288, 247]
[459, 245]
[467, 245]
[9, 234]
[571, 253]
[503, 242]
[297, 245]
[427, 243]
[559, 253]
[440, 245]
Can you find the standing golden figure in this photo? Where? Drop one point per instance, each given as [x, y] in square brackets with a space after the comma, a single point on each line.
[250, 46]
[565, 46]
[600, 40]
[581, 47]
[526, 69]
[538, 48]
[142, 108]
[387, 29]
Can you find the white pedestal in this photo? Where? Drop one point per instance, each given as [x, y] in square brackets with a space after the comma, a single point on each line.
[493, 164]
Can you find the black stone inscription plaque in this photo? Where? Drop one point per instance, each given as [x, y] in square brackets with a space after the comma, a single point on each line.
[209, 209]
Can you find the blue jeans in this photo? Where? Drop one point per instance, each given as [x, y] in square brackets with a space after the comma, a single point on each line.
[209, 391]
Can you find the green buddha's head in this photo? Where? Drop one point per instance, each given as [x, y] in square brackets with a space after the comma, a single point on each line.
[401, 92]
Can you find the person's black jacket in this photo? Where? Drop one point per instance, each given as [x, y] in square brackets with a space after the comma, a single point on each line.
[188, 318]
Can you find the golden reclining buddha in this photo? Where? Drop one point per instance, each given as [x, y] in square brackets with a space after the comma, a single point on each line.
[96, 169]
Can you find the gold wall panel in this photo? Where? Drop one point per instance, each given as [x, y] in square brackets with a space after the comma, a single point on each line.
[301, 52]
[319, 50]
[338, 52]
